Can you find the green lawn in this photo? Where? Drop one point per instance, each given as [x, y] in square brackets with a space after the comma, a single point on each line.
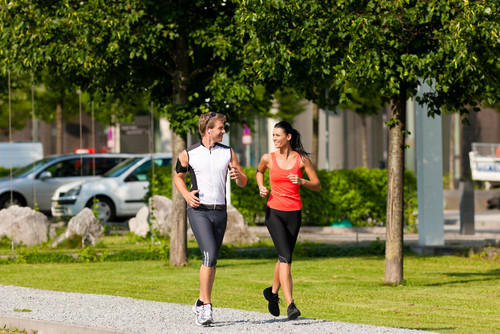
[442, 294]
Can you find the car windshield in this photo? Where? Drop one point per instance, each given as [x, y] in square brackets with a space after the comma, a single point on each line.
[24, 171]
[121, 168]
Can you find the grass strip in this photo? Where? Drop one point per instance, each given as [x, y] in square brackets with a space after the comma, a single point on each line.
[442, 294]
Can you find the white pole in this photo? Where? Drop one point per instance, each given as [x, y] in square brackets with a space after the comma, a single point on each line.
[10, 139]
[429, 175]
[225, 141]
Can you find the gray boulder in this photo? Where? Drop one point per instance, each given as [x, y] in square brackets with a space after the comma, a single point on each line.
[23, 225]
[158, 214]
[237, 231]
[161, 209]
[84, 224]
[139, 224]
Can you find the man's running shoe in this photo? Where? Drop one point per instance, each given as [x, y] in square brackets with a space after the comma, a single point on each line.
[273, 300]
[204, 315]
[196, 304]
[292, 311]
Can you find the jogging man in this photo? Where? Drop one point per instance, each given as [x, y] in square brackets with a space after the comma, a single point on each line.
[208, 163]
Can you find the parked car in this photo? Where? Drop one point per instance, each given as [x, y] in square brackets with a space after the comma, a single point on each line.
[34, 184]
[118, 193]
[493, 202]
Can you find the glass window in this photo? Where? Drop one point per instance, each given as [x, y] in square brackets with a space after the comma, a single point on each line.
[121, 168]
[102, 165]
[141, 172]
[65, 168]
[163, 162]
[24, 171]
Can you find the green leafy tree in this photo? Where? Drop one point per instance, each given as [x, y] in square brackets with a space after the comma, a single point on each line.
[20, 101]
[182, 53]
[37, 40]
[365, 104]
[391, 46]
[290, 104]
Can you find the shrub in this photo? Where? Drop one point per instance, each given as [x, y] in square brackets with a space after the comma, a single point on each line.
[247, 199]
[359, 195]
[6, 171]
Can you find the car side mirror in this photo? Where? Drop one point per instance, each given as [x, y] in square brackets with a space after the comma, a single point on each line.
[131, 178]
[45, 175]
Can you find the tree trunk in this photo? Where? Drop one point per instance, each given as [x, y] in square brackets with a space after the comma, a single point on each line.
[178, 233]
[59, 127]
[315, 140]
[364, 143]
[395, 183]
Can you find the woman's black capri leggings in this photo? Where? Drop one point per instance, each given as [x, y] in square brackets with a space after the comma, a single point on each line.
[284, 228]
[208, 228]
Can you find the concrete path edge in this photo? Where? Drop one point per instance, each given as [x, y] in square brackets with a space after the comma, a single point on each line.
[32, 326]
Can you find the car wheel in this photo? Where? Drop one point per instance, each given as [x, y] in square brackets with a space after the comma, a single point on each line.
[5, 201]
[104, 207]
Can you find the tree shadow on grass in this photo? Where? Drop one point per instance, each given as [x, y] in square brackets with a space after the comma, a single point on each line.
[492, 275]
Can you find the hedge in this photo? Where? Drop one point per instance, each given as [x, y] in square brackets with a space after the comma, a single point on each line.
[5, 171]
[358, 195]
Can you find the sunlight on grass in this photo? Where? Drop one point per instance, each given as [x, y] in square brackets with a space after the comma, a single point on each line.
[444, 294]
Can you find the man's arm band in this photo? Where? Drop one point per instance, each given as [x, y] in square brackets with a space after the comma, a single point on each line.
[180, 168]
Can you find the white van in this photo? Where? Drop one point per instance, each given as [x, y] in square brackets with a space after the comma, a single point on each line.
[20, 154]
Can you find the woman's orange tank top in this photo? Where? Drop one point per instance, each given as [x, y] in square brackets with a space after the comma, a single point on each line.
[285, 195]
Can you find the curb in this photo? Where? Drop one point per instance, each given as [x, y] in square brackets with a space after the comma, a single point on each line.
[51, 327]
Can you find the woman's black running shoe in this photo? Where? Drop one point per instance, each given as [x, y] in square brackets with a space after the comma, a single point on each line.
[273, 300]
[292, 311]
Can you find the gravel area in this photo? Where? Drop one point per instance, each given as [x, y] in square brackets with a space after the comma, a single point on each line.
[148, 317]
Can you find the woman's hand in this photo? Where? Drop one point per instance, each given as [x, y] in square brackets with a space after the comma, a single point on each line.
[295, 179]
[263, 192]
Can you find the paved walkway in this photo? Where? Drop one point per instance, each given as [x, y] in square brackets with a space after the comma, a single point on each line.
[53, 312]
[91, 314]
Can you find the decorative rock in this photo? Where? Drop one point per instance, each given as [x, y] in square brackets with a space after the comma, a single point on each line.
[161, 209]
[53, 229]
[237, 231]
[23, 225]
[139, 224]
[84, 224]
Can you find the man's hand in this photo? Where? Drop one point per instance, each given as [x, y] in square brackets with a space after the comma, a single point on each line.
[192, 200]
[234, 173]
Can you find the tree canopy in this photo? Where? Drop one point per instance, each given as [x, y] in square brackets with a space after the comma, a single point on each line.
[390, 47]
[183, 54]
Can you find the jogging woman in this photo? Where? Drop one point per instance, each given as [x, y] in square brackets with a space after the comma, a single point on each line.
[283, 212]
[208, 163]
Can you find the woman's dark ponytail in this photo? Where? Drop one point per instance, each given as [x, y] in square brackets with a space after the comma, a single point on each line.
[295, 141]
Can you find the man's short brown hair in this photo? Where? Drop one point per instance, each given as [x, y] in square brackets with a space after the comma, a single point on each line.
[208, 120]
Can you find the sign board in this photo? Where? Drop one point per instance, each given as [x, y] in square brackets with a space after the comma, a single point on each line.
[484, 162]
[246, 139]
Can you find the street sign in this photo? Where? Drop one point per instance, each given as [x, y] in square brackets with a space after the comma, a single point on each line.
[246, 139]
